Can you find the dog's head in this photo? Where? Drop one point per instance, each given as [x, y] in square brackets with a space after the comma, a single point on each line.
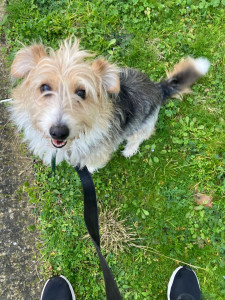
[64, 92]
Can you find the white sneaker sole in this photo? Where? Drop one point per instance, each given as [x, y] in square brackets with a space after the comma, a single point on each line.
[70, 286]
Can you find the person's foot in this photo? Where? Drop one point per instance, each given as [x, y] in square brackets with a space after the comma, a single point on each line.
[58, 288]
[183, 285]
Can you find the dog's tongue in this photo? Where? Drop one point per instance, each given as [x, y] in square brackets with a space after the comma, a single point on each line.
[58, 143]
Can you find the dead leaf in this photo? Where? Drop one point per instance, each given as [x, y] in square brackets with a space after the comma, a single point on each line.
[203, 199]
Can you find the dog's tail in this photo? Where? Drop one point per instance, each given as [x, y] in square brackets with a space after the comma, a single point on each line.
[184, 74]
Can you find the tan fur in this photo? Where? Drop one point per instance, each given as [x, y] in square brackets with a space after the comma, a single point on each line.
[65, 71]
[108, 74]
[187, 63]
[181, 66]
[26, 59]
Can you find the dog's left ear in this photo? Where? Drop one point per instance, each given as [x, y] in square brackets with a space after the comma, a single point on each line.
[26, 59]
[108, 74]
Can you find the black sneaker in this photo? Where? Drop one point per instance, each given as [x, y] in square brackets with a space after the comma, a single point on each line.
[183, 285]
[58, 288]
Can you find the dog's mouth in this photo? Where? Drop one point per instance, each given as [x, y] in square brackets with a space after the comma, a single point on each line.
[58, 143]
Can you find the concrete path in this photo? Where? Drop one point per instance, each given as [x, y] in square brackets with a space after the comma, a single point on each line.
[19, 275]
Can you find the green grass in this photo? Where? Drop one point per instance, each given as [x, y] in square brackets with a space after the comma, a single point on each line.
[154, 190]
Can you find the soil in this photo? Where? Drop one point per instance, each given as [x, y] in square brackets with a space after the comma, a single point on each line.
[19, 276]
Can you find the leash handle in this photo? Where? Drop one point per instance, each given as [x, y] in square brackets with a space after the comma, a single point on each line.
[91, 221]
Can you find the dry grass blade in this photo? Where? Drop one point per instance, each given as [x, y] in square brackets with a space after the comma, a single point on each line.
[116, 237]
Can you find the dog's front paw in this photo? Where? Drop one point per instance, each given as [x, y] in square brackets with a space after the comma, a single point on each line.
[92, 169]
[129, 151]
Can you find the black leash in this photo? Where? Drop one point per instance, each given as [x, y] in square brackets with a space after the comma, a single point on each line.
[91, 221]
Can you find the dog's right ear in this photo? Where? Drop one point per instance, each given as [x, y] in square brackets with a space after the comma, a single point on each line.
[108, 74]
[26, 59]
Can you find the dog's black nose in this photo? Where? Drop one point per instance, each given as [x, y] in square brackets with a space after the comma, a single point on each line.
[60, 132]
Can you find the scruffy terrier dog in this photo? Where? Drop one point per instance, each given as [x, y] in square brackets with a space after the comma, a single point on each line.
[85, 108]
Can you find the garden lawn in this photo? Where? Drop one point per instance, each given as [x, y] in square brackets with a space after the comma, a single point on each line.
[152, 195]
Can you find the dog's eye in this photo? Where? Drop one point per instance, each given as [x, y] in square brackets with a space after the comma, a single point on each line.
[45, 88]
[81, 93]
